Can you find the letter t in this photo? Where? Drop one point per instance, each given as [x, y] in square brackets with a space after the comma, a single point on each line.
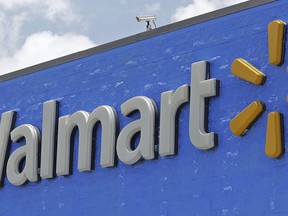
[201, 88]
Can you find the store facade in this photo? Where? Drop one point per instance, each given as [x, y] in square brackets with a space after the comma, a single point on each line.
[186, 119]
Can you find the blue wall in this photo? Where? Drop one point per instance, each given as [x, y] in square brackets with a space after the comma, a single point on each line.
[236, 178]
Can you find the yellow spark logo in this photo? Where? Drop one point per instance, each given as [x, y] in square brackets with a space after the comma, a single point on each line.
[239, 125]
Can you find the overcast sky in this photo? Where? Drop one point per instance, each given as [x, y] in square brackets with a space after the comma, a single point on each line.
[35, 31]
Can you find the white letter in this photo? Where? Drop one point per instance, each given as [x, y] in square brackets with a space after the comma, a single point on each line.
[145, 125]
[29, 152]
[85, 123]
[5, 127]
[48, 139]
[170, 103]
[201, 88]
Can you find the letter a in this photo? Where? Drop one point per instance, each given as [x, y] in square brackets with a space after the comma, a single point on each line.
[145, 125]
[28, 151]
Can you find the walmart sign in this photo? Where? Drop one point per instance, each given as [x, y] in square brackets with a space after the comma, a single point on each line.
[188, 119]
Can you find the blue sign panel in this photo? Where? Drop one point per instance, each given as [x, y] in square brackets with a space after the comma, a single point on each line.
[221, 85]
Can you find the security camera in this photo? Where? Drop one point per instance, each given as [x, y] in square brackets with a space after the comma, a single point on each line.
[146, 18]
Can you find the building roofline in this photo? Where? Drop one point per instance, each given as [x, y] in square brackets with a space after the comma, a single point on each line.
[138, 37]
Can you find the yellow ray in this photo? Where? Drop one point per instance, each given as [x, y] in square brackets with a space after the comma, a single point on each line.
[240, 123]
[276, 36]
[274, 147]
[246, 71]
